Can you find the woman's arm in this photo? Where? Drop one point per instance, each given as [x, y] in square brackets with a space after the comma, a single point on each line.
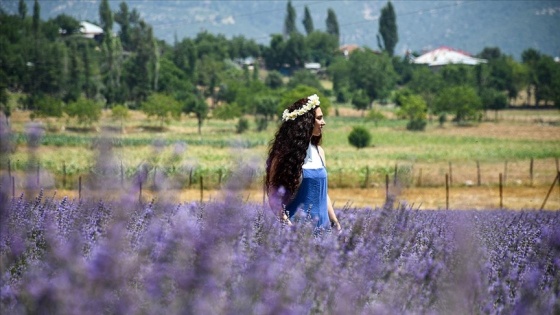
[330, 209]
[332, 215]
[274, 198]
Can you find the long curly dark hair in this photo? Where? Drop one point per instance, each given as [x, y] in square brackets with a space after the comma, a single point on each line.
[288, 150]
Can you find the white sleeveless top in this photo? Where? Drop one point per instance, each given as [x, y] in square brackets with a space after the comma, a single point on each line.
[312, 158]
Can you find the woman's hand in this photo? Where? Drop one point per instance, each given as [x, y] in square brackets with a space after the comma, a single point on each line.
[336, 225]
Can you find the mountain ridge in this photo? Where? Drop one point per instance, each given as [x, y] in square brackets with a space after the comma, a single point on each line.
[512, 26]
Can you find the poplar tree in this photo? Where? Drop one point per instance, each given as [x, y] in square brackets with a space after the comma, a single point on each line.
[22, 9]
[388, 36]
[36, 19]
[290, 20]
[332, 24]
[307, 21]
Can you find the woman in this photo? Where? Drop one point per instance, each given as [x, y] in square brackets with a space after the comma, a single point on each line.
[296, 177]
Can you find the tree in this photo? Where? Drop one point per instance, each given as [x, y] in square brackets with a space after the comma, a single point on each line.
[460, 100]
[304, 77]
[121, 114]
[332, 25]
[85, 110]
[530, 58]
[36, 19]
[322, 47]
[123, 18]
[295, 53]
[339, 71]
[388, 29]
[290, 20]
[359, 137]
[414, 108]
[163, 107]
[373, 73]
[22, 9]
[307, 21]
[106, 19]
[360, 100]
[493, 99]
[274, 80]
[197, 105]
[274, 55]
[266, 106]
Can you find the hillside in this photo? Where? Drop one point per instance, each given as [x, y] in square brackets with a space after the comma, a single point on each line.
[513, 26]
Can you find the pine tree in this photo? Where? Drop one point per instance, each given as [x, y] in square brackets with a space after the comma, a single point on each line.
[290, 21]
[307, 21]
[388, 29]
[332, 24]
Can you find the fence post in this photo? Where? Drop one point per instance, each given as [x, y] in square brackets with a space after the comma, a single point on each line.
[478, 173]
[501, 193]
[386, 187]
[420, 178]
[446, 191]
[9, 168]
[366, 181]
[80, 187]
[13, 187]
[395, 175]
[556, 179]
[122, 175]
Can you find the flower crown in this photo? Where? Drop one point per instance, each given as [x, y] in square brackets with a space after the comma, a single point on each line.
[312, 102]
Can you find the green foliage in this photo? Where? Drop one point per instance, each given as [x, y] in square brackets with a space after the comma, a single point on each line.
[307, 21]
[262, 123]
[360, 100]
[413, 107]
[359, 137]
[339, 71]
[304, 77]
[463, 101]
[290, 27]
[274, 80]
[373, 73]
[86, 111]
[227, 111]
[120, 113]
[163, 107]
[266, 106]
[375, 115]
[388, 29]
[321, 46]
[196, 105]
[47, 106]
[493, 99]
[242, 125]
[332, 24]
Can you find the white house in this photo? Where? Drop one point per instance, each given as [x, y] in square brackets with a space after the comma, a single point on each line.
[89, 30]
[445, 56]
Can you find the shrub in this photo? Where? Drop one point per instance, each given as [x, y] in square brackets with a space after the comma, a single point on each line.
[359, 137]
[242, 125]
[262, 123]
[416, 125]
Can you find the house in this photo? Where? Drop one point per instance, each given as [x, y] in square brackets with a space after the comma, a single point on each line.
[445, 56]
[346, 50]
[89, 30]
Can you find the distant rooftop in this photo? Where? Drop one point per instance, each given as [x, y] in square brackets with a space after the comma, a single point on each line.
[446, 55]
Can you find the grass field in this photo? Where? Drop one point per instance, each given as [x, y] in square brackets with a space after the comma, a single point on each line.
[356, 177]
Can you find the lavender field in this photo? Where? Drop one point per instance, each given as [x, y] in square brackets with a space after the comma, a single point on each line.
[61, 256]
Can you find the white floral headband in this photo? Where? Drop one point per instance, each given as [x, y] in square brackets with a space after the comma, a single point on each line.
[312, 102]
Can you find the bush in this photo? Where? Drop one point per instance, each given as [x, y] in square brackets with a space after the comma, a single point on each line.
[262, 123]
[242, 125]
[359, 137]
[416, 125]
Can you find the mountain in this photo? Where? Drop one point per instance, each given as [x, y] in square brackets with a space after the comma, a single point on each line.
[471, 25]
